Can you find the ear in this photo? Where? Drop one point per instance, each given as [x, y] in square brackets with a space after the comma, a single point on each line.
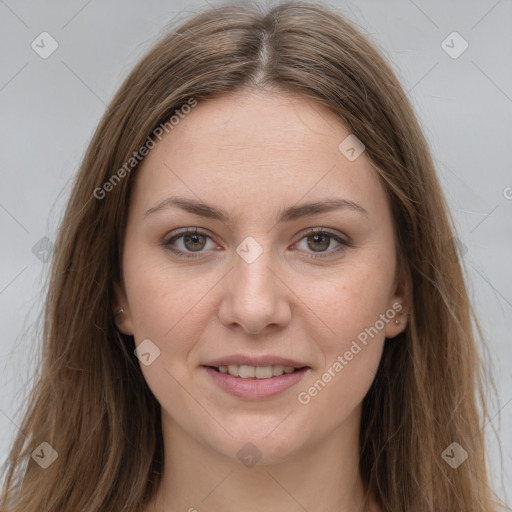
[398, 308]
[122, 320]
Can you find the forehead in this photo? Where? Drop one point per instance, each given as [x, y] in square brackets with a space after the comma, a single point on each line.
[249, 147]
[239, 125]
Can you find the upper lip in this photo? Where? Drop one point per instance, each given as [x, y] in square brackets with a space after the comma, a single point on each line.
[264, 360]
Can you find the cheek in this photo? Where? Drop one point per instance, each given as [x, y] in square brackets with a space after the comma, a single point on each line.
[353, 305]
[351, 353]
[350, 302]
[334, 394]
[352, 349]
[163, 299]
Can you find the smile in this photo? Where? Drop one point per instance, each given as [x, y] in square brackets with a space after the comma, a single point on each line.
[255, 382]
[259, 372]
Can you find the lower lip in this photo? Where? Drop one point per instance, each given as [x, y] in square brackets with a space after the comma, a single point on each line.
[256, 388]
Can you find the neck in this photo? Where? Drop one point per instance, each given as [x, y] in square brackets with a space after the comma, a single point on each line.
[324, 476]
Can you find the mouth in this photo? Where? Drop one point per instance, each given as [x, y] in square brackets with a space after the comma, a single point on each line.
[256, 372]
[255, 382]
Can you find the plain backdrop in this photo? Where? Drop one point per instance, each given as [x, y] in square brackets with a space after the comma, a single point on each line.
[49, 108]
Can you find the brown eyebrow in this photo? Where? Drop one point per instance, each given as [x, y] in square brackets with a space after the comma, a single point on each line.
[284, 215]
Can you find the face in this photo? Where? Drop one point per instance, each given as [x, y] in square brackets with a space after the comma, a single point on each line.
[258, 283]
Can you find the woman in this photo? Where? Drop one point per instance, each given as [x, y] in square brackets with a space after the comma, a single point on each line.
[251, 305]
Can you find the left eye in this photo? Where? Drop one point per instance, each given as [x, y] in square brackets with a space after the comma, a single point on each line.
[194, 241]
[320, 240]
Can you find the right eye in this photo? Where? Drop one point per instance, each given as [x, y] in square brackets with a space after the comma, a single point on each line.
[191, 240]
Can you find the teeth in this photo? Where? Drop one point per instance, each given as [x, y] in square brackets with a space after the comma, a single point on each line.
[258, 372]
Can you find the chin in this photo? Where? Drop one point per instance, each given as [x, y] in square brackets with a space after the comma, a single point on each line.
[251, 444]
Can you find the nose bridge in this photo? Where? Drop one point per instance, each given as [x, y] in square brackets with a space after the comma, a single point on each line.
[253, 279]
[255, 298]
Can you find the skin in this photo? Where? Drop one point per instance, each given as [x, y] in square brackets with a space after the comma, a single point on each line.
[253, 153]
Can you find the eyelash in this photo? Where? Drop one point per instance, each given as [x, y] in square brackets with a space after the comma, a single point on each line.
[308, 233]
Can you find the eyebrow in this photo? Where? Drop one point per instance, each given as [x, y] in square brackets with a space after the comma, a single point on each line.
[284, 215]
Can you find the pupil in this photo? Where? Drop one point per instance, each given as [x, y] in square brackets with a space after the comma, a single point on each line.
[316, 238]
[195, 237]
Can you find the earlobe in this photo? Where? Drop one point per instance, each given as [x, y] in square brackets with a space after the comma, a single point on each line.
[121, 314]
[398, 316]
[398, 323]
[398, 310]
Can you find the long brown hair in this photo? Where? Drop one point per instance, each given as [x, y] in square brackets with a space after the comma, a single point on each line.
[90, 401]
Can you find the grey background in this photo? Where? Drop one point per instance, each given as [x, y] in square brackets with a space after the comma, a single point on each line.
[50, 107]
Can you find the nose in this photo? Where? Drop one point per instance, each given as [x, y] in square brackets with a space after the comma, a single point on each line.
[255, 297]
